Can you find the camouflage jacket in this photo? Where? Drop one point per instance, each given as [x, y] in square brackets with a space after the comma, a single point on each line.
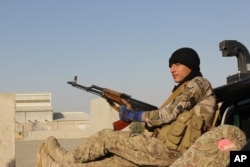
[197, 94]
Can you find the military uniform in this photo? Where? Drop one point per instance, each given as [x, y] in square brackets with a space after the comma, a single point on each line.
[141, 150]
[185, 116]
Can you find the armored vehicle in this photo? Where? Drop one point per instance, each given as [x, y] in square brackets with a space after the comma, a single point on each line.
[234, 97]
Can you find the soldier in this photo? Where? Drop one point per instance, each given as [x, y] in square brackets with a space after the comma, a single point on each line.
[185, 116]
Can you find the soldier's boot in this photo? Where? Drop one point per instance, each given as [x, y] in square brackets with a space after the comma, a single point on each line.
[38, 155]
[58, 153]
[43, 159]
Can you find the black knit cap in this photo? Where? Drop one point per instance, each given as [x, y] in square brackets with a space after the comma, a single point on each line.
[187, 57]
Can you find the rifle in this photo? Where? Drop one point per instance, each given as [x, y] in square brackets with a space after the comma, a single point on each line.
[113, 98]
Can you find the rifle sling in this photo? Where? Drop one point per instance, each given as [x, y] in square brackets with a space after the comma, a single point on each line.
[174, 94]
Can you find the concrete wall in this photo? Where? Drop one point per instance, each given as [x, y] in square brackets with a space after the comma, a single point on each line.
[7, 129]
[59, 134]
[64, 129]
[102, 115]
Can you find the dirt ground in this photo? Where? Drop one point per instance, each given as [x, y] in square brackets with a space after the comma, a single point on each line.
[26, 150]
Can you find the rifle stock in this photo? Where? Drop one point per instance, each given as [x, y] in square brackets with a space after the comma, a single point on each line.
[120, 124]
[113, 98]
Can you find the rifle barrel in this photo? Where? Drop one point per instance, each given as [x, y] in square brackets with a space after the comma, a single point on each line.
[93, 89]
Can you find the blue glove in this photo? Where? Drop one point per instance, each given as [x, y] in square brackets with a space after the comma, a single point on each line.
[130, 115]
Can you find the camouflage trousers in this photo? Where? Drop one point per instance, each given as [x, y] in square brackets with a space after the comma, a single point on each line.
[109, 148]
[207, 152]
[116, 149]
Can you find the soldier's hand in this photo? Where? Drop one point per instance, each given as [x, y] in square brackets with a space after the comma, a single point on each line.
[127, 104]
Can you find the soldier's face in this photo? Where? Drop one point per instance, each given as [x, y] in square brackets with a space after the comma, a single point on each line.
[179, 72]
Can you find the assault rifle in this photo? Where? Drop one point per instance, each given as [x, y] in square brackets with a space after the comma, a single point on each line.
[113, 98]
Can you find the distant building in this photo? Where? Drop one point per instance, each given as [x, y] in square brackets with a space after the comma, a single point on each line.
[34, 107]
[70, 116]
[35, 119]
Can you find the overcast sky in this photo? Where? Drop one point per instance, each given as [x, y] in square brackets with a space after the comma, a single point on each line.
[123, 45]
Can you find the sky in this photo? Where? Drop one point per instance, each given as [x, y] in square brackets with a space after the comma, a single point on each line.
[122, 45]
